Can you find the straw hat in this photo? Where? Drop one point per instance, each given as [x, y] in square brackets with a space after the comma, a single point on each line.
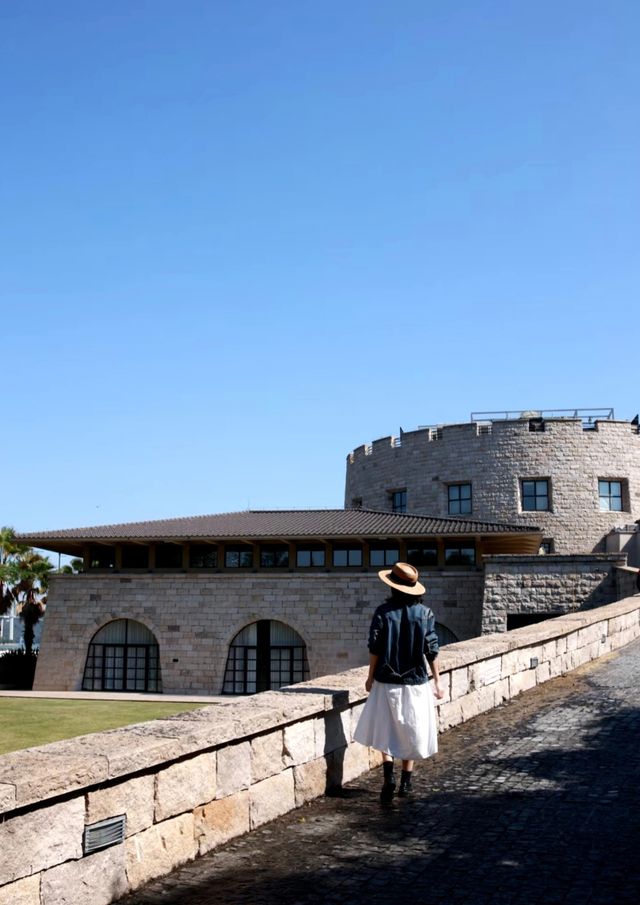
[403, 577]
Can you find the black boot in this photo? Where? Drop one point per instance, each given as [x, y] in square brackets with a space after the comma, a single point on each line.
[389, 785]
[405, 784]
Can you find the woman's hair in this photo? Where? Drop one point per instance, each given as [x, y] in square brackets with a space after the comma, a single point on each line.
[397, 596]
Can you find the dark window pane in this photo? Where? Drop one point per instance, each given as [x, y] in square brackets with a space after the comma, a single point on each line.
[238, 559]
[102, 557]
[462, 555]
[383, 556]
[340, 557]
[168, 556]
[203, 556]
[423, 556]
[274, 557]
[135, 556]
[459, 499]
[399, 501]
[307, 557]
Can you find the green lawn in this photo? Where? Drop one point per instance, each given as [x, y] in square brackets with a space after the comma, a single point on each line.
[25, 722]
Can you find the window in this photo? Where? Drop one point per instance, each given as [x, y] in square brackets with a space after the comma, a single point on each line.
[123, 656]
[546, 546]
[238, 557]
[610, 493]
[383, 556]
[459, 499]
[275, 556]
[168, 556]
[445, 635]
[203, 556]
[356, 502]
[265, 655]
[135, 556]
[422, 554]
[535, 495]
[309, 557]
[399, 500]
[347, 556]
[102, 557]
[463, 554]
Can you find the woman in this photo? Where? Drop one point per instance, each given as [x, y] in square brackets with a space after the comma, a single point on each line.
[399, 717]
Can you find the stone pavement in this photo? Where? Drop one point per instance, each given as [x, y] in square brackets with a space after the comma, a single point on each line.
[535, 801]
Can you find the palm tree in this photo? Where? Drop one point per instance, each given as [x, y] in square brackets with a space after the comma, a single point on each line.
[8, 549]
[24, 577]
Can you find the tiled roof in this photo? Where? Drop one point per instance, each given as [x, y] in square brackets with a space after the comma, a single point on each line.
[297, 523]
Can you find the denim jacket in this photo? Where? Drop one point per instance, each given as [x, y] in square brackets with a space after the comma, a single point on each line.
[403, 635]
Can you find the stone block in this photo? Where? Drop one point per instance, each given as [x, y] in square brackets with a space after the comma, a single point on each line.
[299, 743]
[22, 892]
[501, 692]
[97, 879]
[591, 633]
[332, 731]
[310, 780]
[33, 842]
[543, 672]
[185, 785]
[355, 762]
[271, 798]
[522, 681]
[356, 713]
[221, 820]
[450, 714]
[375, 758]
[7, 797]
[266, 755]
[477, 702]
[487, 672]
[459, 682]
[135, 798]
[43, 772]
[233, 770]
[156, 851]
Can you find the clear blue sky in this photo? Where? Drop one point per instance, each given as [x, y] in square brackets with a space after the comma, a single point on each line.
[241, 237]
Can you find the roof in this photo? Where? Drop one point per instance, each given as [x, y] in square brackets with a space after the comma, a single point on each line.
[266, 524]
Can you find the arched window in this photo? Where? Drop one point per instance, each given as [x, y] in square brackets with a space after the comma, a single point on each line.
[123, 656]
[445, 635]
[265, 655]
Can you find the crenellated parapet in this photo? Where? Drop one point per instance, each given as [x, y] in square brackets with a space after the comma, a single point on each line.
[576, 477]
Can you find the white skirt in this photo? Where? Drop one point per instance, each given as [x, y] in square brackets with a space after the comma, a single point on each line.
[399, 720]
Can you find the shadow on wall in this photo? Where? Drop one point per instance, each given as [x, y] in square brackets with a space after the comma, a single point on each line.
[563, 827]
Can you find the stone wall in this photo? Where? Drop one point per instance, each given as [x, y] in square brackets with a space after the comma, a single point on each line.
[195, 617]
[189, 783]
[550, 585]
[494, 459]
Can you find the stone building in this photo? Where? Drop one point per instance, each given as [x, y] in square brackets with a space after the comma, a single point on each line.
[575, 475]
[241, 602]
[246, 601]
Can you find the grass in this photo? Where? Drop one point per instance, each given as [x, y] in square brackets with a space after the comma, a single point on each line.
[25, 722]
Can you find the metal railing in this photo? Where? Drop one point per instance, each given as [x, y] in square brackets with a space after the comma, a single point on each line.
[586, 415]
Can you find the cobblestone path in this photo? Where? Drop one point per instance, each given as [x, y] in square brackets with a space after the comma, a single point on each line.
[537, 801]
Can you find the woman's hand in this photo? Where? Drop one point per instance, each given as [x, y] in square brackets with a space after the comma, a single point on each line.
[438, 691]
[369, 683]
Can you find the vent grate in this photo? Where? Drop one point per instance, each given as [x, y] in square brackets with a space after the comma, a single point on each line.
[103, 834]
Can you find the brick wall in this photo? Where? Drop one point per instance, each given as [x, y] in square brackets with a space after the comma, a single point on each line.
[546, 584]
[195, 617]
[494, 463]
